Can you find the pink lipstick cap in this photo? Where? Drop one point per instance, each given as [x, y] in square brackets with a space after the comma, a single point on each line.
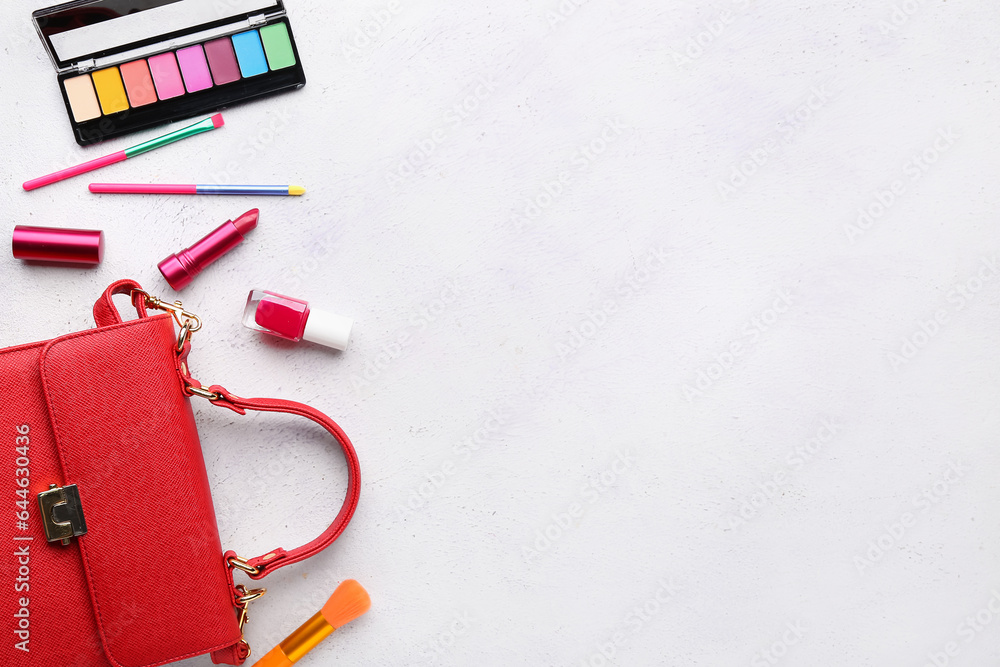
[64, 246]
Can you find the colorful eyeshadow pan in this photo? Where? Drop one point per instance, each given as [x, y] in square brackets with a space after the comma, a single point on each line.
[138, 83]
[222, 60]
[250, 53]
[278, 46]
[166, 75]
[194, 67]
[110, 90]
[82, 98]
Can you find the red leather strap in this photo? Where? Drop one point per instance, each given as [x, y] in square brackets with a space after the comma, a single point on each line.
[106, 313]
[279, 558]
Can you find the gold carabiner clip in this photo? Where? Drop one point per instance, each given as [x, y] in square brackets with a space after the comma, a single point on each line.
[187, 321]
[245, 596]
[243, 608]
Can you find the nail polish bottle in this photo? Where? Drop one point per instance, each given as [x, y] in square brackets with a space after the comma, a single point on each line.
[294, 320]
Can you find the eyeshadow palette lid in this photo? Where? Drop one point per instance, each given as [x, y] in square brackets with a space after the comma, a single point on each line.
[85, 34]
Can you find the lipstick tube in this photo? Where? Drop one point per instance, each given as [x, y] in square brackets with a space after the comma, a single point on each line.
[180, 269]
[295, 320]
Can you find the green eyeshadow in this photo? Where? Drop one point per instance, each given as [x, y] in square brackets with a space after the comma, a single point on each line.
[278, 46]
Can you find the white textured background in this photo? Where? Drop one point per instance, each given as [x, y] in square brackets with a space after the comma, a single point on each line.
[565, 347]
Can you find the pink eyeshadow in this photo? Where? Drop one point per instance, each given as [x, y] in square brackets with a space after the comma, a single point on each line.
[195, 68]
[166, 76]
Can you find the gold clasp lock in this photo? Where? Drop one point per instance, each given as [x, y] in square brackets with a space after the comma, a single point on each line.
[62, 513]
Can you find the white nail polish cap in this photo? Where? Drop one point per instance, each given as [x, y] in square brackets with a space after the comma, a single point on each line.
[327, 329]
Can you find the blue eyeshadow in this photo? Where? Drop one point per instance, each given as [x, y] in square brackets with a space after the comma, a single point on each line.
[250, 53]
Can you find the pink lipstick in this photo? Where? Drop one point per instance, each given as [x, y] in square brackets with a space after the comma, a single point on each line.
[182, 268]
[295, 320]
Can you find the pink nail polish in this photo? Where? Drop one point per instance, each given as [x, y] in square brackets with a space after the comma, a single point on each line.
[294, 320]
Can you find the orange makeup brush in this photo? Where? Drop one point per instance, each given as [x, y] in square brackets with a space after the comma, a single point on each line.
[348, 602]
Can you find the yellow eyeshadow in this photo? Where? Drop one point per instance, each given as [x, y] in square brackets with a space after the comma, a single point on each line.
[111, 90]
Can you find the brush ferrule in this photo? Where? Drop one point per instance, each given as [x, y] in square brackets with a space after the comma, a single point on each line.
[306, 638]
[191, 130]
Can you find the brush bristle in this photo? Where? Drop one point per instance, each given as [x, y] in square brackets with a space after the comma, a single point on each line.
[217, 121]
[348, 602]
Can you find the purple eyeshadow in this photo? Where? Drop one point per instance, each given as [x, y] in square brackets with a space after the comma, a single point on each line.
[194, 68]
[222, 60]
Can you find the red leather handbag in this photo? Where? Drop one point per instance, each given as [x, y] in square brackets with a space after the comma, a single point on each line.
[111, 554]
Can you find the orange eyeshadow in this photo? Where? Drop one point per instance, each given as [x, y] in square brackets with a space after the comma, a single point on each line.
[138, 83]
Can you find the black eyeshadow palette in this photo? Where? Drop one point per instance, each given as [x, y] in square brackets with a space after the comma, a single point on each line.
[128, 65]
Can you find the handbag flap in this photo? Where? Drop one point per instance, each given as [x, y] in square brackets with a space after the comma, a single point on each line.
[126, 436]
